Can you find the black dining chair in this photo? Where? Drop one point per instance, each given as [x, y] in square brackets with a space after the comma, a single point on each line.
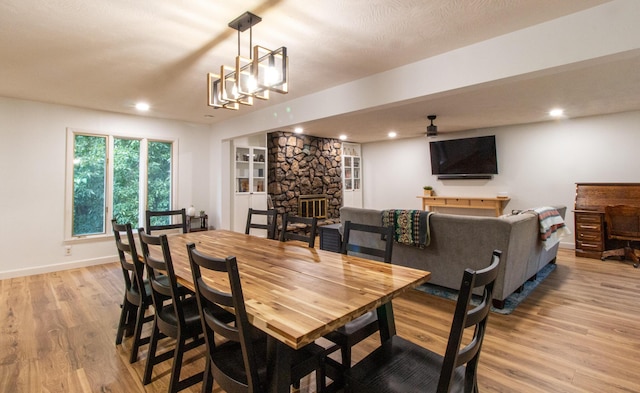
[374, 242]
[268, 223]
[176, 314]
[161, 220]
[137, 295]
[400, 365]
[239, 364]
[299, 228]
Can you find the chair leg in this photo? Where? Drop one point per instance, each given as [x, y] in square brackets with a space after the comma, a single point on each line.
[207, 380]
[137, 340]
[153, 345]
[321, 382]
[345, 351]
[177, 366]
[131, 320]
[123, 320]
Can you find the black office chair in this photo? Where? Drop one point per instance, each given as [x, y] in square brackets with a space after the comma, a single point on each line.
[137, 295]
[399, 365]
[152, 218]
[364, 326]
[176, 315]
[299, 228]
[240, 363]
[269, 222]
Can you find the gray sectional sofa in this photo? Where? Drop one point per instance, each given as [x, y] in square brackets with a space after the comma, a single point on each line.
[458, 242]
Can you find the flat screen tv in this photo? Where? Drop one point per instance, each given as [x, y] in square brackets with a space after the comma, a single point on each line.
[467, 158]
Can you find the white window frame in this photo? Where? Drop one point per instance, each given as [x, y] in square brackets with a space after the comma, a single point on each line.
[111, 136]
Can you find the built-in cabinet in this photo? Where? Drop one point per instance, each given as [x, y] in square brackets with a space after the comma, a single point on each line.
[250, 169]
[249, 180]
[351, 175]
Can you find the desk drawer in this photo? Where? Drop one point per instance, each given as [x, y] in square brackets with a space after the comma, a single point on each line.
[481, 203]
[457, 202]
[591, 246]
[588, 227]
[589, 236]
[588, 218]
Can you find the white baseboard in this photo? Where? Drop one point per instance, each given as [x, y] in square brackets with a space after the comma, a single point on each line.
[56, 267]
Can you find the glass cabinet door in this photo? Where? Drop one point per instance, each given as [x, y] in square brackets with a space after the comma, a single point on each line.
[250, 169]
[259, 170]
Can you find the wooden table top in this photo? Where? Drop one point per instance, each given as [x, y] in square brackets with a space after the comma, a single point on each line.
[292, 292]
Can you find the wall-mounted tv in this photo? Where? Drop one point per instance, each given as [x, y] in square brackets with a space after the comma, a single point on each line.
[467, 158]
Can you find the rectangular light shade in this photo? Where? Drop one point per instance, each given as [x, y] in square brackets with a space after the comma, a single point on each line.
[229, 89]
[247, 83]
[215, 93]
[271, 68]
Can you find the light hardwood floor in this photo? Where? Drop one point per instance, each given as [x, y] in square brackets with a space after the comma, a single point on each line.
[579, 331]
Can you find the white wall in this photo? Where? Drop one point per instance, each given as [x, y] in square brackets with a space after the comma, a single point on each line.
[538, 164]
[32, 178]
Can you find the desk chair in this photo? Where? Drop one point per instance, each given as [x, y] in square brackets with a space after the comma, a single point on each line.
[137, 294]
[270, 225]
[399, 365]
[362, 327]
[623, 223]
[176, 315]
[299, 228]
[170, 214]
[239, 364]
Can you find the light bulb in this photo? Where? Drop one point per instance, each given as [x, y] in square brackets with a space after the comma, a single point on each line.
[252, 84]
[272, 76]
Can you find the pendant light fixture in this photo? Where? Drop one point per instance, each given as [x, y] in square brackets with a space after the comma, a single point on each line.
[263, 71]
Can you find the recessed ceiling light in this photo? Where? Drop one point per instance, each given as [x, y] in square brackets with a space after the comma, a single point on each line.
[392, 134]
[343, 137]
[557, 112]
[298, 130]
[142, 106]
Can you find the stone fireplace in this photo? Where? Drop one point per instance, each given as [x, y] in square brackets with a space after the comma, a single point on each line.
[304, 175]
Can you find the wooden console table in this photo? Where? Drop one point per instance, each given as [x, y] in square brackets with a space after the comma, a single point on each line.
[495, 204]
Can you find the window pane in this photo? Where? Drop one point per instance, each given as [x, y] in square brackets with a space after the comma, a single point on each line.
[89, 174]
[126, 181]
[159, 179]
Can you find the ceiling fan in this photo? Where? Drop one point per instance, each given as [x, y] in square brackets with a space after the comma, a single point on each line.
[432, 130]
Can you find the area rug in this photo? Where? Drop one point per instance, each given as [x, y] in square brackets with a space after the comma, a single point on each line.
[510, 303]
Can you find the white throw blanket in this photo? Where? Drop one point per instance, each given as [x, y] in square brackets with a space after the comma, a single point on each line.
[552, 226]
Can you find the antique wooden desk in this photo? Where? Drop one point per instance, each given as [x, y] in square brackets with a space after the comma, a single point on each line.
[297, 294]
[591, 198]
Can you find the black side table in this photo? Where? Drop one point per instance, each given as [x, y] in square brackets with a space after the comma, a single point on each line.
[330, 239]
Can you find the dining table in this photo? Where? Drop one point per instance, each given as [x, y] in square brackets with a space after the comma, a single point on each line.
[294, 293]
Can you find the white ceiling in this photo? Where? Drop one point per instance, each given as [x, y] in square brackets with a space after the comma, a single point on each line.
[107, 55]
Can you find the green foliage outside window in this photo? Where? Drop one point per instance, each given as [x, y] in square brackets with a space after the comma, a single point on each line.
[90, 179]
[159, 179]
[126, 181]
[89, 176]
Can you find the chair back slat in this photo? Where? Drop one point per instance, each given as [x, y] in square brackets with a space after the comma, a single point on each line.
[306, 232]
[164, 284]
[368, 232]
[466, 317]
[270, 224]
[171, 215]
[238, 331]
[133, 264]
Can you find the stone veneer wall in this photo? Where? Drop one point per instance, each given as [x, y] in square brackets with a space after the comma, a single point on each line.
[303, 165]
